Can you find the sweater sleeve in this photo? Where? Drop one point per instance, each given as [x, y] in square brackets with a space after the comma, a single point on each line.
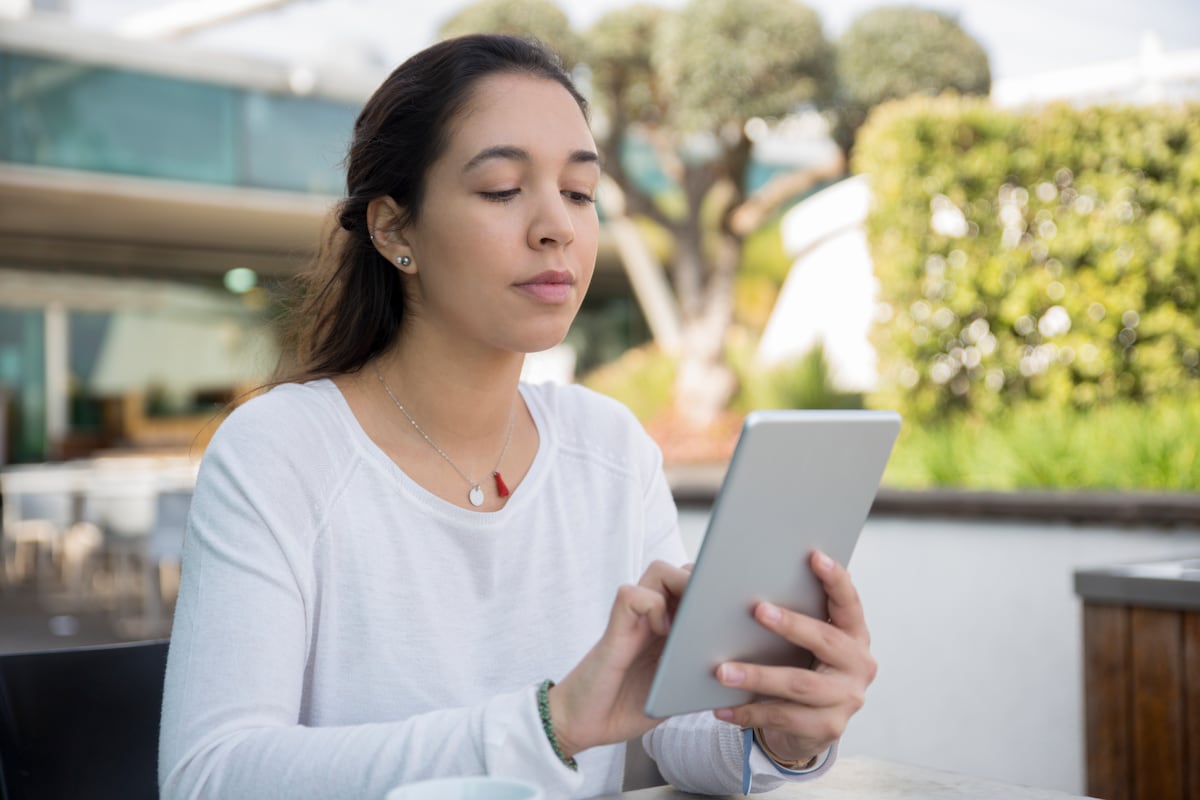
[243, 633]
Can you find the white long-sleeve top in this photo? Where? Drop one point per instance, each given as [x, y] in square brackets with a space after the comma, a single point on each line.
[340, 630]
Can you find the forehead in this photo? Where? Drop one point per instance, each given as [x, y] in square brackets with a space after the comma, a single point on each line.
[537, 114]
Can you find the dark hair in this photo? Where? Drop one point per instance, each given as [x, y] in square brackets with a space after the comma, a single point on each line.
[351, 300]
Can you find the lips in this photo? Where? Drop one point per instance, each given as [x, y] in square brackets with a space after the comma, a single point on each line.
[551, 286]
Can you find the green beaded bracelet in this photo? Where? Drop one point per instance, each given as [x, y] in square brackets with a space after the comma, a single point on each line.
[543, 701]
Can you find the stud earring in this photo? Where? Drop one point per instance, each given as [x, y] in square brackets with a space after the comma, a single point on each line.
[403, 261]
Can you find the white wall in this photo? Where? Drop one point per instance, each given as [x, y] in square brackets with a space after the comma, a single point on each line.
[978, 635]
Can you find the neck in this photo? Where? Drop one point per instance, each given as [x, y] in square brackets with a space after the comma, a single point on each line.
[458, 397]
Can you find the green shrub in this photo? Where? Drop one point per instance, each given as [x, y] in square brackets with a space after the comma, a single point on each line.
[763, 269]
[643, 378]
[1040, 255]
[1124, 446]
[801, 383]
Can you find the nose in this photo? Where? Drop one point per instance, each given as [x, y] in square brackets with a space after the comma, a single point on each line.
[551, 224]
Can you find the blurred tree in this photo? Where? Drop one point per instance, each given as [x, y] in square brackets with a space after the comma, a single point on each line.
[896, 51]
[540, 18]
[685, 84]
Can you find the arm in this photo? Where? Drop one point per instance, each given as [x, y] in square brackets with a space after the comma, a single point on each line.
[243, 646]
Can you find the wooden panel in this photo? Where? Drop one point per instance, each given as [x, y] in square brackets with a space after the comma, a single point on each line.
[1156, 639]
[1106, 675]
[1191, 677]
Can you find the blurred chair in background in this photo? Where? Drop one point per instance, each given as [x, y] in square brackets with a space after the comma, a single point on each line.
[119, 500]
[103, 534]
[164, 554]
[81, 723]
[35, 521]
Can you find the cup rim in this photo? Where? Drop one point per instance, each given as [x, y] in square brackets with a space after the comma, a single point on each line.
[515, 783]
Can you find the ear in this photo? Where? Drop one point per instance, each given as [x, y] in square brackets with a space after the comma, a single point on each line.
[384, 217]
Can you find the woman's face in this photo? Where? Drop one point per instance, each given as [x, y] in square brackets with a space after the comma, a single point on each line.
[504, 246]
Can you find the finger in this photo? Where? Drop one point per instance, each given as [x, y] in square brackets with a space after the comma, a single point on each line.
[822, 726]
[635, 603]
[845, 606]
[666, 578]
[828, 644]
[794, 685]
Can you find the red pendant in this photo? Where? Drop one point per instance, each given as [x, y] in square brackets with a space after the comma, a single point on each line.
[501, 489]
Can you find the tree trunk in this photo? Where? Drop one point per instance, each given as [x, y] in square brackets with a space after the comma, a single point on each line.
[705, 384]
[645, 273]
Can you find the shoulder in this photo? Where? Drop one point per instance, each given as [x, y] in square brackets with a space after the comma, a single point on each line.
[291, 422]
[282, 408]
[579, 414]
[592, 425]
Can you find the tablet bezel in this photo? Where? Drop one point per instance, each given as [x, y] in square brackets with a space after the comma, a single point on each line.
[798, 480]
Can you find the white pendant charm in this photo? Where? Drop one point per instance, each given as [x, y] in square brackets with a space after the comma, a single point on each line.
[476, 495]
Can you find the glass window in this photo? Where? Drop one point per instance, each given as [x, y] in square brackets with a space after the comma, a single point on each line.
[60, 113]
[153, 374]
[296, 143]
[22, 385]
[86, 335]
[77, 116]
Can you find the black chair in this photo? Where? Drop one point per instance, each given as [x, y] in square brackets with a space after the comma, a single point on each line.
[81, 724]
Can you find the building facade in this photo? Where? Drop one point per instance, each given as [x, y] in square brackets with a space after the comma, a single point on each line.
[152, 200]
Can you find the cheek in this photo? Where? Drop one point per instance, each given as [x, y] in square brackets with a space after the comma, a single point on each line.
[463, 248]
[587, 232]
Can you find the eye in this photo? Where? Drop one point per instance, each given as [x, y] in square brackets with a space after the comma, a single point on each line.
[579, 198]
[502, 196]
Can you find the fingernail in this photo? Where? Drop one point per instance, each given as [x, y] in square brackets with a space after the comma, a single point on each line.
[770, 613]
[732, 675]
[725, 714]
[824, 562]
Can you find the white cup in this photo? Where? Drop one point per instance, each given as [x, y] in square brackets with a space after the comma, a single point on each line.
[467, 788]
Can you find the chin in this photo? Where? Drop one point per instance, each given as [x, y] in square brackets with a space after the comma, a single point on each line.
[539, 341]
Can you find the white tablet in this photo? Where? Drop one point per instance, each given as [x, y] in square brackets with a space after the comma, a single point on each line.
[798, 481]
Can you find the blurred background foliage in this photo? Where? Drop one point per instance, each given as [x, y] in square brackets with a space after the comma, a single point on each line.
[1039, 322]
[1123, 445]
[1042, 255]
[543, 19]
[893, 52]
[725, 62]
[1038, 278]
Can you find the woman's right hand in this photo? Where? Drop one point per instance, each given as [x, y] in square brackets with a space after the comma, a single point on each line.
[601, 700]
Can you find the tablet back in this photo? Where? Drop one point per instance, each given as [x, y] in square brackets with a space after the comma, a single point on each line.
[798, 481]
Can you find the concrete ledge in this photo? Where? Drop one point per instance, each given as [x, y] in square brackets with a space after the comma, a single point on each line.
[697, 485]
[1108, 507]
[1161, 584]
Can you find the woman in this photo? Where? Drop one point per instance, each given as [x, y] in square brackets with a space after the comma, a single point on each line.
[391, 553]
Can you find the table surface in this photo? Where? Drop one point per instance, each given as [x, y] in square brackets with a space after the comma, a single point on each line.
[861, 778]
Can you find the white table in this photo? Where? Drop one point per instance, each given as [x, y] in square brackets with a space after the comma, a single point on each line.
[861, 778]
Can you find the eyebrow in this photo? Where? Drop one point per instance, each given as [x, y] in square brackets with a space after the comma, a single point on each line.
[511, 153]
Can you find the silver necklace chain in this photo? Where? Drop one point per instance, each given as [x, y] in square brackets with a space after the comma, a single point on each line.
[476, 492]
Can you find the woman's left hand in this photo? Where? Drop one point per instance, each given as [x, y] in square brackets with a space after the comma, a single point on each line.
[803, 711]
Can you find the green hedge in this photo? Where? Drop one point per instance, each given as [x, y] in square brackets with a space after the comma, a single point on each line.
[1049, 255]
[1047, 446]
